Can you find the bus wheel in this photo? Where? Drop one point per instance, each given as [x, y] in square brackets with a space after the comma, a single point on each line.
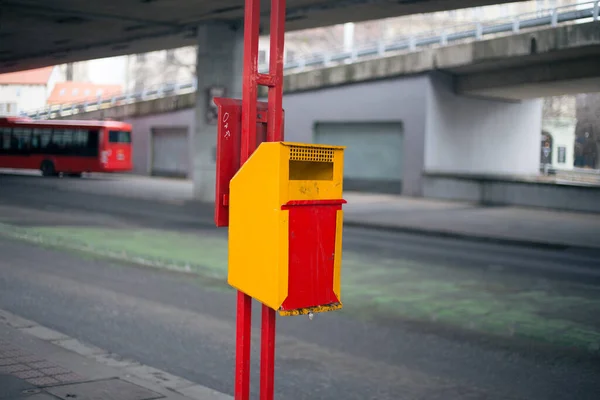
[47, 168]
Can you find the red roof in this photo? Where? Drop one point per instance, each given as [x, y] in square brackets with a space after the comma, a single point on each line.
[39, 76]
[74, 92]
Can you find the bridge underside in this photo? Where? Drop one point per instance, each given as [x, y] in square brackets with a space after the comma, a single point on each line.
[37, 33]
[553, 73]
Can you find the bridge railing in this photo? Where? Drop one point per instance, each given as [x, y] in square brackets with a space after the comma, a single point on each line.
[575, 13]
[477, 30]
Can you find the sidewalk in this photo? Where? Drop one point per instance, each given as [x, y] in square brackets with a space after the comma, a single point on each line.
[37, 363]
[516, 225]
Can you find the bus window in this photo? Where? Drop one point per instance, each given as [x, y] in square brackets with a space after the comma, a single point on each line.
[5, 140]
[119, 137]
[92, 144]
[80, 142]
[80, 138]
[40, 140]
[62, 140]
[21, 139]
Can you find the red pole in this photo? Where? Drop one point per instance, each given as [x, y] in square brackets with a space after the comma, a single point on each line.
[274, 134]
[242, 342]
[248, 145]
[274, 80]
[249, 83]
[274, 125]
[267, 354]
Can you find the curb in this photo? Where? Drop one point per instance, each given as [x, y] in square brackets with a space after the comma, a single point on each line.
[468, 236]
[127, 367]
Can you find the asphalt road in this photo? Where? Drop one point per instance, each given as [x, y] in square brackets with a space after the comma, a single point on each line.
[184, 326]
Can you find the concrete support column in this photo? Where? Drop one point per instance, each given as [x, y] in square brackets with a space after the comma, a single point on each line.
[470, 141]
[468, 135]
[219, 64]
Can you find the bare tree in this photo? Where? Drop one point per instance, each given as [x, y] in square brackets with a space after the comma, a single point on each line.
[175, 61]
[170, 66]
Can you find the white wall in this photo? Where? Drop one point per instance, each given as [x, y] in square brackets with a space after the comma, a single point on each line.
[480, 136]
[27, 97]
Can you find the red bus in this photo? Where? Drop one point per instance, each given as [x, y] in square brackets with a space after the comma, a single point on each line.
[65, 147]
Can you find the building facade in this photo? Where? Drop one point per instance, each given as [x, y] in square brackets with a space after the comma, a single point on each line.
[26, 90]
[72, 92]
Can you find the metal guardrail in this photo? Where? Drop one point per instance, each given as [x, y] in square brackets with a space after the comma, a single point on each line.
[579, 12]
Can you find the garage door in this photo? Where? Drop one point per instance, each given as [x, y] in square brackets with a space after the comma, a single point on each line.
[373, 155]
[170, 149]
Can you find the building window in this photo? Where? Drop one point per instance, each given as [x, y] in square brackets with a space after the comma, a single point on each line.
[562, 154]
[62, 92]
[75, 92]
[99, 92]
[8, 108]
[86, 92]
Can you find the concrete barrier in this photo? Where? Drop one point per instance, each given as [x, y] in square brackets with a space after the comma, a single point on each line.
[513, 191]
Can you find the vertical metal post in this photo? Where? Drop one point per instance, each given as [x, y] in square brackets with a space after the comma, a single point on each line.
[275, 118]
[274, 134]
[267, 354]
[248, 145]
[242, 346]
[274, 80]
[249, 83]
[412, 43]
[595, 12]
[444, 38]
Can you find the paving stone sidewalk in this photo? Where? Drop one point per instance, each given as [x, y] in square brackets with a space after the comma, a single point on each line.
[37, 363]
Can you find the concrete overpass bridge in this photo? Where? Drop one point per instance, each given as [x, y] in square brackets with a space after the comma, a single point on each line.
[37, 33]
[449, 60]
[408, 125]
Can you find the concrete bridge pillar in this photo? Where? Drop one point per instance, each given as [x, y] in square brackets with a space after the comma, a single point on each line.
[219, 66]
[471, 135]
[469, 138]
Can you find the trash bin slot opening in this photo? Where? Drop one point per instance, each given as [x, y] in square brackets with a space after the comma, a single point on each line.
[310, 171]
